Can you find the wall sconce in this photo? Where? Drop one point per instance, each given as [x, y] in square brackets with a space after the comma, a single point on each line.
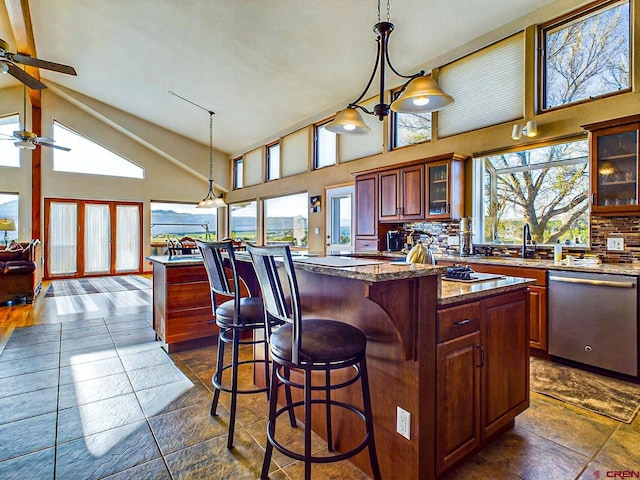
[530, 129]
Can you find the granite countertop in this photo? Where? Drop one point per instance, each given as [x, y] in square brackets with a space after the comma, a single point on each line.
[455, 292]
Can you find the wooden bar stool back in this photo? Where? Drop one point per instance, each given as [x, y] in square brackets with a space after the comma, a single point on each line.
[309, 345]
[236, 319]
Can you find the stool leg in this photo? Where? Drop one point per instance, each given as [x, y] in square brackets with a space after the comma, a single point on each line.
[366, 400]
[217, 376]
[271, 427]
[266, 364]
[327, 391]
[289, 398]
[234, 386]
[307, 424]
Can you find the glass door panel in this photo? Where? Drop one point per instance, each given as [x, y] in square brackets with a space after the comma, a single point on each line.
[127, 238]
[340, 215]
[62, 242]
[437, 179]
[617, 169]
[97, 239]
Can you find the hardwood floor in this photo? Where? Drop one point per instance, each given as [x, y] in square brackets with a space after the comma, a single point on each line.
[88, 393]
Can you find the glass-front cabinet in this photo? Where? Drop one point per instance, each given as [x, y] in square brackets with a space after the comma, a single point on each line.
[445, 187]
[614, 165]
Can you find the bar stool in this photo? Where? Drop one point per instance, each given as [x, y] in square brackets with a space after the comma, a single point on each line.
[234, 318]
[309, 345]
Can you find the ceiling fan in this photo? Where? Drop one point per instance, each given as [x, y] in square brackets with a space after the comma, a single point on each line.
[8, 62]
[29, 140]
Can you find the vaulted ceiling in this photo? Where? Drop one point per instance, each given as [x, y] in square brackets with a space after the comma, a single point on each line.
[264, 66]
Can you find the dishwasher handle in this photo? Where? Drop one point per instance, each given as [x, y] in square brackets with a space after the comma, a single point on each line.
[588, 281]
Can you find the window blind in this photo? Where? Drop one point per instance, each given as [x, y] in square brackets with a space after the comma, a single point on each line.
[352, 147]
[498, 98]
[252, 174]
[294, 152]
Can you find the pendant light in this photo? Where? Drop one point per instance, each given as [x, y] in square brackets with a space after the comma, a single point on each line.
[211, 200]
[420, 93]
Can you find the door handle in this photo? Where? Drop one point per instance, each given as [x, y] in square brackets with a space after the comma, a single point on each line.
[479, 347]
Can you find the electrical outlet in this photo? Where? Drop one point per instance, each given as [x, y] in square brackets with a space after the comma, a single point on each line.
[453, 240]
[403, 420]
[615, 244]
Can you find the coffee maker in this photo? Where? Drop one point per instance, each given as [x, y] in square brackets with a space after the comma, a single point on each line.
[466, 236]
[395, 240]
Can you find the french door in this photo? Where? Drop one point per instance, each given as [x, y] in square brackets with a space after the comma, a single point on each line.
[92, 237]
[339, 216]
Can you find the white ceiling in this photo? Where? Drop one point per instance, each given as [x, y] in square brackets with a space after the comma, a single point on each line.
[263, 66]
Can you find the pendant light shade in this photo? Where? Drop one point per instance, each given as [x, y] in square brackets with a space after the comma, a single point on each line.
[423, 94]
[348, 121]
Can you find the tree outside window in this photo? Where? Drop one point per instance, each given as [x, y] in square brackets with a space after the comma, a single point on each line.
[546, 187]
[411, 128]
[587, 55]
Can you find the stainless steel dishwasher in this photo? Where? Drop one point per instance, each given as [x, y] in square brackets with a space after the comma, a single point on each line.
[593, 319]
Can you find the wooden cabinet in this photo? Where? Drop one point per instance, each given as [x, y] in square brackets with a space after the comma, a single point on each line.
[367, 206]
[537, 298]
[457, 384]
[445, 187]
[402, 194]
[482, 381]
[505, 366]
[613, 156]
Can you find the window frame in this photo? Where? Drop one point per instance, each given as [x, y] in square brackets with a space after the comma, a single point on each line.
[257, 222]
[236, 166]
[268, 160]
[317, 143]
[5, 120]
[393, 131]
[265, 218]
[557, 23]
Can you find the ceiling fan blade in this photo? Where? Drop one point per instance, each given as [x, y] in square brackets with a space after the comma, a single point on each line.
[24, 77]
[36, 62]
[44, 139]
[59, 147]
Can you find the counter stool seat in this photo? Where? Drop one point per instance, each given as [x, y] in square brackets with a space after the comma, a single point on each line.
[307, 346]
[237, 319]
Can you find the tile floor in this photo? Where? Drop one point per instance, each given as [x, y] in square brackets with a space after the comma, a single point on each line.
[88, 394]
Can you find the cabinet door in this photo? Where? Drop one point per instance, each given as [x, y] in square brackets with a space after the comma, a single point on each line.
[412, 193]
[367, 205]
[505, 374]
[614, 169]
[438, 203]
[457, 400]
[538, 317]
[389, 205]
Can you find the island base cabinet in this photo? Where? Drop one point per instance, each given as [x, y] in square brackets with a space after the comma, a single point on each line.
[505, 370]
[482, 376]
[458, 404]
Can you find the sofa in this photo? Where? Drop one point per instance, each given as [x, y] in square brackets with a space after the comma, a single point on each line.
[20, 271]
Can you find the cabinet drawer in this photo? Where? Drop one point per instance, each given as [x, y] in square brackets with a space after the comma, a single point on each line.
[371, 245]
[456, 321]
[184, 274]
[190, 324]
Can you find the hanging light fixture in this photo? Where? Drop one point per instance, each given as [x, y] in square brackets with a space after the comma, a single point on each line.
[419, 94]
[211, 200]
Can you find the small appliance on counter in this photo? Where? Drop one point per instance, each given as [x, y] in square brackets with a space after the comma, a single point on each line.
[466, 236]
[395, 240]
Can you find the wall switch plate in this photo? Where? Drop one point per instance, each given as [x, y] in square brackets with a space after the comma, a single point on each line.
[615, 244]
[403, 420]
[453, 240]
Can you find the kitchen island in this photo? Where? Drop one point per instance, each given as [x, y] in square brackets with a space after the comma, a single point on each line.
[455, 356]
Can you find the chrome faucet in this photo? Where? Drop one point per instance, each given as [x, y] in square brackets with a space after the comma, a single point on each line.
[528, 245]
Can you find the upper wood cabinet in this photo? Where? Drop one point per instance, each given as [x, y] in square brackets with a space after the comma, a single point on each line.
[402, 194]
[613, 165]
[445, 188]
[367, 205]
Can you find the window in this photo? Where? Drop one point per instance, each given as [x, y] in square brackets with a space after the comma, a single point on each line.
[411, 128]
[273, 161]
[546, 187]
[286, 220]
[9, 153]
[89, 157]
[488, 86]
[243, 221]
[9, 210]
[237, 173]
[176, 220]
[586, 54]
[325, 147]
